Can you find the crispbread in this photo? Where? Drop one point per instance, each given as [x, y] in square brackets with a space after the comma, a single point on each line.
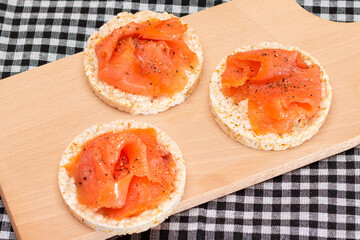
[138, 223]
[137, 104]
[233, 120]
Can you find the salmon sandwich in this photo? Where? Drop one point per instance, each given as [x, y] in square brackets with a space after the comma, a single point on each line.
[143, 63]
[269, 96]
[122, 177]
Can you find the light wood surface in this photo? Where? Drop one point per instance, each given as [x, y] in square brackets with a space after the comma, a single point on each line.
[43, 109]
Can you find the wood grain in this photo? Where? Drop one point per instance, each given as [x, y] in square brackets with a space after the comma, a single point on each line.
[43, 109]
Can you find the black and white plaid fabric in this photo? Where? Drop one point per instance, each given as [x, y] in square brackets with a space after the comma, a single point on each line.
[320, 201]
[341, 10]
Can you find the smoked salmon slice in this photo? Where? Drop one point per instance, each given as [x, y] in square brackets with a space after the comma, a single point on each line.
[148, 58]
[144, 195]
[280, 87]
[123, 173]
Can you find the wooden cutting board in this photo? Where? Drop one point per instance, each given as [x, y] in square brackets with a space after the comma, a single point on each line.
[43, 109]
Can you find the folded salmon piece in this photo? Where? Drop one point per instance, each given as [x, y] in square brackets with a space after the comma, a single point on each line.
[148, 58]
[125, 172]
[280, 87]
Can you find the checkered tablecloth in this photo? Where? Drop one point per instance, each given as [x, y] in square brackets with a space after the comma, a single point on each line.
[317, 202]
